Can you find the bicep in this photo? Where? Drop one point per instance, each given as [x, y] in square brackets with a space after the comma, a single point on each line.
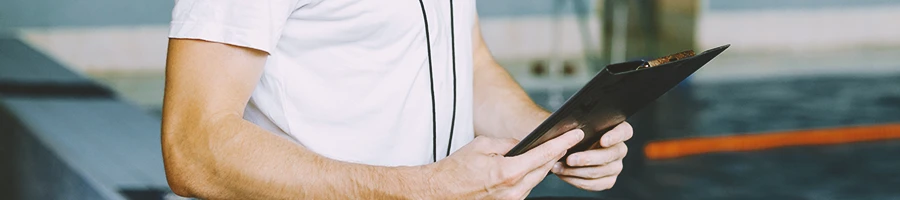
[206, 144]
[205, 78]
[481, 55]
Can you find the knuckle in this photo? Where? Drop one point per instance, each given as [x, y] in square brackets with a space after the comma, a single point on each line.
[623, 150]
[595, 173]
[585, 159]
[611, 183]
[606, 184]
[577, 160]
[617, 167]
[610, 157]
[563, 171]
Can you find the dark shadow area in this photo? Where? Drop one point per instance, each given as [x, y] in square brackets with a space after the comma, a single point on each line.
[80, 90]
[8, 159]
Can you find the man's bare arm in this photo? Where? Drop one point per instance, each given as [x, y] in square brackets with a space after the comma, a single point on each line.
[211, 152]
[502, 108]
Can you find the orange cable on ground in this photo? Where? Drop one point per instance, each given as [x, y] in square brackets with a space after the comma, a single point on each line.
[749, 142]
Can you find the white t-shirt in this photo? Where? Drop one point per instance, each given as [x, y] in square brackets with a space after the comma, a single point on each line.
[348, 79]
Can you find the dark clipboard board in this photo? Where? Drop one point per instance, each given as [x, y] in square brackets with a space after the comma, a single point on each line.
[614, 94]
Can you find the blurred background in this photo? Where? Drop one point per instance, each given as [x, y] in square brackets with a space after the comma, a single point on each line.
[805, 104]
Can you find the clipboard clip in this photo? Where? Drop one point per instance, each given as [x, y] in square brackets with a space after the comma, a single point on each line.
[666, 59]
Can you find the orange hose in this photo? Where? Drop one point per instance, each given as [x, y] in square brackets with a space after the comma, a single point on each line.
[749, 142]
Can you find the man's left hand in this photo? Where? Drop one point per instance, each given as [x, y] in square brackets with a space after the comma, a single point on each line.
[596, 169]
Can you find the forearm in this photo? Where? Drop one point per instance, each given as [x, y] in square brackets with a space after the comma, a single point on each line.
[211, 152]
[502, 108]
[235, 159]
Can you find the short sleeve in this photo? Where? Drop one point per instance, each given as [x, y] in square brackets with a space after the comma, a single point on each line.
[254, 24]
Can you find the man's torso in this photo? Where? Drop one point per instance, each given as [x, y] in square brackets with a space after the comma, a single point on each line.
[349, 79]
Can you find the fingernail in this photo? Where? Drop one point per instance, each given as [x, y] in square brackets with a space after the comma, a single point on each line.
[557, 167]
[573, 160]
[579, 136]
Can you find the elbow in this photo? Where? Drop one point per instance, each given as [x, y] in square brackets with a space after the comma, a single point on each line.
[179, 187]
[185, 172]
[190, 184]
[187, 177]
[189, 163]
[183, 180]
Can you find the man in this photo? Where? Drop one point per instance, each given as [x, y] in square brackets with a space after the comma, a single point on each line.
[332, 99]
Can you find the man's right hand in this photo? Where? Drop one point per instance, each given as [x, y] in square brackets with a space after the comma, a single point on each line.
[480, 171]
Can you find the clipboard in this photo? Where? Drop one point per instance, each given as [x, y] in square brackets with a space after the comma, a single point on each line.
[614, 94]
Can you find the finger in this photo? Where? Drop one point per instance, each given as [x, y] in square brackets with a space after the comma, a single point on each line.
[619, 134]
[548, 151]
[534, 177]
[592, 172]
[597, 156]
[599, 184]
